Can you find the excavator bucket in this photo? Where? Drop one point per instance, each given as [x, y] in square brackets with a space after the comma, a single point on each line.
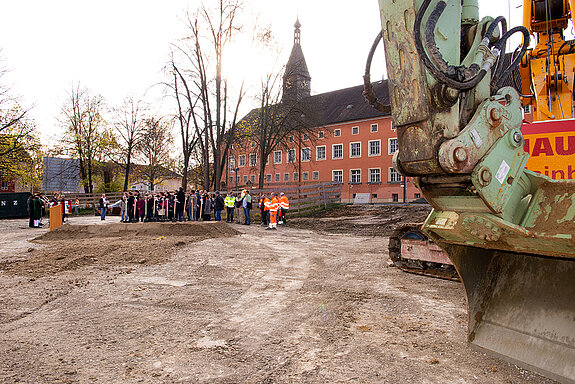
[521, 307]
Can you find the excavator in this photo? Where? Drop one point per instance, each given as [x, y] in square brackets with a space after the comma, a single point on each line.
[545, 79]
[508, 231]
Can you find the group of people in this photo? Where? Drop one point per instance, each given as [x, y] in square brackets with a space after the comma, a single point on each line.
[273, 210]
[196, 205]
[38, 203]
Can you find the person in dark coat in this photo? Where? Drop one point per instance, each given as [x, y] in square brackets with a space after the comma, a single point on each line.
[37, 206]
[30, 206]
[131, 206]
[218, 206]
[180, 204]
[199, 200]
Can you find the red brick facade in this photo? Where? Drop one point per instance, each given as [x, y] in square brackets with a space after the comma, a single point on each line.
[357, 153]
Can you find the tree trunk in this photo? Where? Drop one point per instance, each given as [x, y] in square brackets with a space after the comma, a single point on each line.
[128, 166]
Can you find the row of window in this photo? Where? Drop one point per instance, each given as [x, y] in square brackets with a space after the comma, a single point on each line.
[374, 149]
[336, 133]
[374, 176]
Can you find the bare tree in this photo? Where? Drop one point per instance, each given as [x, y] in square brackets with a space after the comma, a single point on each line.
[83, 137]
[271, 125]
[190, 129]
[129, 126]
[154, 149]
[207, 92]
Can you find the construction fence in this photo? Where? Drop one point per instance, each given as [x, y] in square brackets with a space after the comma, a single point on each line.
[302, 198]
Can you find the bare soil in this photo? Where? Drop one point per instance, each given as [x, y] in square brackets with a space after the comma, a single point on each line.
[218, 303]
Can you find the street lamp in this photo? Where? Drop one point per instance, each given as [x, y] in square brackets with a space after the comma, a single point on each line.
[236, 171]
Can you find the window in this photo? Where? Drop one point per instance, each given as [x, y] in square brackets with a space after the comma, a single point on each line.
[238, 178]
[394, 176]
[315, 175]
[354, 149]
[305, 154]
[267, 160]
[277, 157]
[245, 178]
[286, 176]
[231, 178]
[373, 127]
[268, 177]
[305, 176]
[355, 176]
[291, 156]
[393, 146]
[295, 176]
[337, 132]
[375, 148]
[253, 178]
[242, 161]
[290, 139]
[4, 185]
[232, 162]
[375, 175]
[305, 137]
[354, 130]
[320, 135]
[337, 151]
[337, 175]
[253, 160]
[320, 152]
[277, 177]
[395, 197]
[417, 196]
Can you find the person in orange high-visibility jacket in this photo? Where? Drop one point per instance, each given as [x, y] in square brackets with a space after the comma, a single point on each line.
[284, 206]
[264, 205]
[274, 206]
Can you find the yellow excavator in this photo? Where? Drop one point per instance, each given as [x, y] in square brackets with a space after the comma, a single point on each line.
[547, 70]
[509, 232]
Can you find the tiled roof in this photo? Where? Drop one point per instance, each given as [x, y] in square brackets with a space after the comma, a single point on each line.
[334, 107]
[348, 104]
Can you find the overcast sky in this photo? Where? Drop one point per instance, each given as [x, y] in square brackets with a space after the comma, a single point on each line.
[118, 48]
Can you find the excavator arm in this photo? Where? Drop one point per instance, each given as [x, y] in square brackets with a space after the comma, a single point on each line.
[508, 231]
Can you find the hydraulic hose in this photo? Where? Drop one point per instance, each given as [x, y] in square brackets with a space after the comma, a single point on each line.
[501, 43]
[462, 83]
[368, 92]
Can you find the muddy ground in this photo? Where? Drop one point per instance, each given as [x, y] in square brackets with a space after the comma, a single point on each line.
[314, 302]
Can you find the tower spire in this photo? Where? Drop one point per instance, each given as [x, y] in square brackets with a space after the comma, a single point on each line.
[296, 76]
[297, 32]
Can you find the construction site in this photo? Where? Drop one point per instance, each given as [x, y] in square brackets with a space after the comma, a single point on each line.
[317, 301]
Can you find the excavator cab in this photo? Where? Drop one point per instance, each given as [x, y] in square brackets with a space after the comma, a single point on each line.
[508, 231]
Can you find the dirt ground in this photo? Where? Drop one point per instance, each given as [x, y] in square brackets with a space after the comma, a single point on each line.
[314, 302]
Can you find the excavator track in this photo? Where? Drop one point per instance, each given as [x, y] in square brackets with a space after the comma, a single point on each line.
[423, 256]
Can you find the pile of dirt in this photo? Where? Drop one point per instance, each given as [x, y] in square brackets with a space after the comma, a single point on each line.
[199, 230]
[363, 220]
[109, 246]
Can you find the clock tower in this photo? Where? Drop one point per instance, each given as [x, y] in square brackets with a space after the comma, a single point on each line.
[296, 80]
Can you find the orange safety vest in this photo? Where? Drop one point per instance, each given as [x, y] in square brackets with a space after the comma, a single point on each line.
[284, 202]
[274, 204]
[266, 204]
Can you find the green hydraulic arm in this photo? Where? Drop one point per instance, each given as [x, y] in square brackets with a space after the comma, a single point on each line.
[508, 231]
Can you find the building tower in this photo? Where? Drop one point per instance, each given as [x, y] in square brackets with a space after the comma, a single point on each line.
[296, 80]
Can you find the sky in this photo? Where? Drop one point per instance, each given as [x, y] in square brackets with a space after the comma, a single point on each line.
[118, 48]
